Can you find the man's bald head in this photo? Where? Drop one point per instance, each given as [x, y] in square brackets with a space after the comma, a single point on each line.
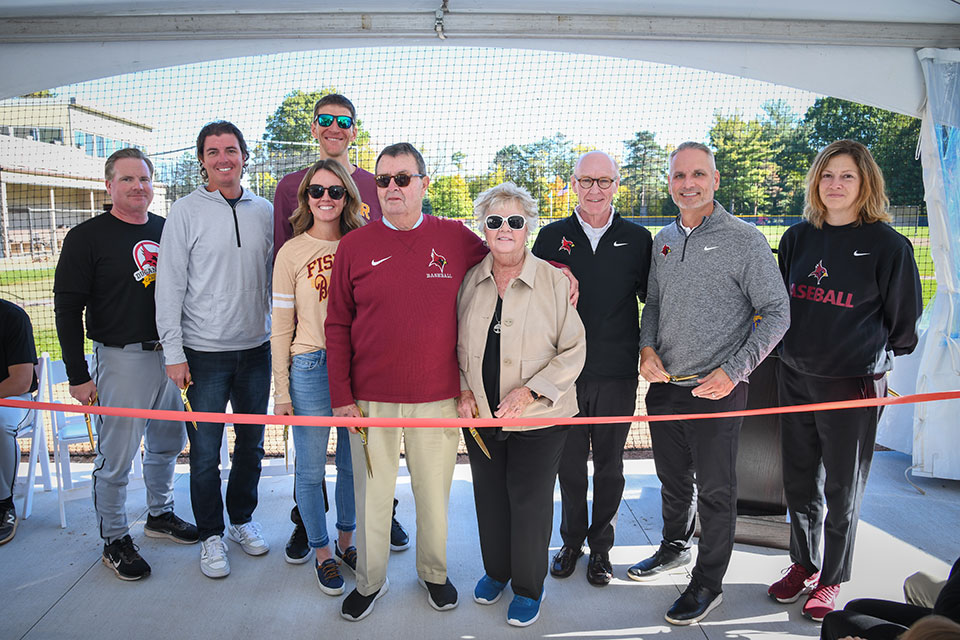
[595, 180]
[594, 160]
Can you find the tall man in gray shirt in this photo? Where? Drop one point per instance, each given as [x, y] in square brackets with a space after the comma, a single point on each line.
[709, 276]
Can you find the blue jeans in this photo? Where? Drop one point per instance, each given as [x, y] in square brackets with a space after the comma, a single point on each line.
[243, 379]
[310, 395]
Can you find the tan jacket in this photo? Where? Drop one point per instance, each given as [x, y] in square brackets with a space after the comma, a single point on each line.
[542, 343]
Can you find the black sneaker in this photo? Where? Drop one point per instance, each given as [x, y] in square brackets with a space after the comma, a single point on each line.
[357, 607]
[8, 522]
[441, 597]
[121, 556]
[693, 605]
[168, 525]
[665, 559]
[399, 540]
[347, 557]
[298, 549]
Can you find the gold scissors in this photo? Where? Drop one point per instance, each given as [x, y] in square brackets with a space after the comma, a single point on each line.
[86, 418]
[683, 378]
[286, 448]
[476, 436]
[362, 431]
[186, 405]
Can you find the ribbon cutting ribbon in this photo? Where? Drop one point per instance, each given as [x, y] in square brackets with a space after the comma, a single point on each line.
[362, 431]
[476, 436]
[186, 405]
[86, 418]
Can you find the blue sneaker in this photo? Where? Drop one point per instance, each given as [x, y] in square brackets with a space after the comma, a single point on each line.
[488, 590]
[329, 578]
[523, 611]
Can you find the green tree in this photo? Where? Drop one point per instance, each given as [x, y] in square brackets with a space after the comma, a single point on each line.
[787, 137]
[743, 157]
[537, 165]
[450, 197]
[644, 174]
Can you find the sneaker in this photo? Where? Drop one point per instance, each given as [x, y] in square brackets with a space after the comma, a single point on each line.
[693, 605]
[213, 558]
[797, 582]
[441, 597]
[488, 590]
[249, 537]
[329, 578]
[121, 556]
[8, 522]
[399, 540]
[665, 559]
[168, 525]
[357, 607]
[523, 611]
[297, 550]
[821, 602]
[348, 557]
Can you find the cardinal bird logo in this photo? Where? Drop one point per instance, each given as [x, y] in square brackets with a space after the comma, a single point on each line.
[437, 260]
[665, 250]
[145, 255]
[819, 272]
[566, 245]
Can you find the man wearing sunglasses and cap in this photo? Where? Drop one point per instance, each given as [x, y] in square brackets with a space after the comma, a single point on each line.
[610, 257]
[334, 126]
[711, 274]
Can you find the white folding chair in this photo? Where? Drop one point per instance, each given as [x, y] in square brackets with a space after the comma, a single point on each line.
[33, 428]
[67, 430]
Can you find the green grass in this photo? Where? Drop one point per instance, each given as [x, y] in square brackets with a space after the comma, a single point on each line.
[19, 276]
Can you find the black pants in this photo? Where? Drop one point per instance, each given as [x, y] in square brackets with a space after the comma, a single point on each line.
[513, 491]
[608, 397]
[871, 620]
[696, 462]
[826, 455]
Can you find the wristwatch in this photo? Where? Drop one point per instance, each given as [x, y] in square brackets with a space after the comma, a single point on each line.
[536, 396]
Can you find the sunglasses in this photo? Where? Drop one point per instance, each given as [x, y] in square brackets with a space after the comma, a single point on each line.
[603, 183]
[494, 222]
[336, 191]
[402, 179]
[326, 119]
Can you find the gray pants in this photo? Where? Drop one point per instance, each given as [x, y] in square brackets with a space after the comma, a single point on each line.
[11, 420]
[131, 377]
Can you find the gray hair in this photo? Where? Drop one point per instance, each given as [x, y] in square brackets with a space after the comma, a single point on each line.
[119, 154]
[502, 194]
[699, 146]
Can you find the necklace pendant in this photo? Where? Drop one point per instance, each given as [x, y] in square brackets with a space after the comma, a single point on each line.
[496, 328]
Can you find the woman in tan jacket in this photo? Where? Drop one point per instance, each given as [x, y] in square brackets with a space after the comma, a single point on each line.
[521, 346]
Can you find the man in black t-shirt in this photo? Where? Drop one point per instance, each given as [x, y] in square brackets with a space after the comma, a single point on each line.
[18, 355]
[107, 267]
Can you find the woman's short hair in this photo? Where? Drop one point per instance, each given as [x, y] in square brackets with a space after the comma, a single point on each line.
[502, 194]
[350, 218]
[872, 200]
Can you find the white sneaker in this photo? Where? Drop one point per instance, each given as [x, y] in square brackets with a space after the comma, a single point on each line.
[249, 537]
[213, 557]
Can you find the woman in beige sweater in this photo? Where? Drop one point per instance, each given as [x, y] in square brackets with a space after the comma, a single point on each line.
[329, 207]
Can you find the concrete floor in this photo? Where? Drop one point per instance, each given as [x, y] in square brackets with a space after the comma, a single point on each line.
[54, 585]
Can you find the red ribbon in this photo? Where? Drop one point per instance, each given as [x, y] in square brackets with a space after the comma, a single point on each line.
[328, 421]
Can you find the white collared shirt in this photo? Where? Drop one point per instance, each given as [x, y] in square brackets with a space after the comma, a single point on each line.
[389, 225]
[593, 234]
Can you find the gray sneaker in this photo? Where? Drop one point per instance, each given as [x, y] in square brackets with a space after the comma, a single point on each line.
[249, 537]
[213, 558]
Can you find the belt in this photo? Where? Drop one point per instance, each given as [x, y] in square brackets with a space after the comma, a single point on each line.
[147, 345]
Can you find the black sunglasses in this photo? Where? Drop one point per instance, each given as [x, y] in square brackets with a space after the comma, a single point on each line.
[402, 179]
[336, 191]
[326, 119]
[494, 222]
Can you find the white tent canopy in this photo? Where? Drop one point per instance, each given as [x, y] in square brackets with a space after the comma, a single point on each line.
[862, 50]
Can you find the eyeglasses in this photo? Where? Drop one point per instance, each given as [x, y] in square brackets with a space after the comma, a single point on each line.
[336, 191]
[494, 222]
[603, 183]
[402, 179]
[326, 119]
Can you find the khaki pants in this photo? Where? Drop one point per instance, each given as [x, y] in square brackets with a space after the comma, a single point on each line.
[431, 455]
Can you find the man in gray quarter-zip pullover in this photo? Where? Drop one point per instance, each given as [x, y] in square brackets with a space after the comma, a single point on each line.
[709, 276]
[213, 317]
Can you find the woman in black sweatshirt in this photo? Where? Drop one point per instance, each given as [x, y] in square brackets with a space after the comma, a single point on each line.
[855, 299]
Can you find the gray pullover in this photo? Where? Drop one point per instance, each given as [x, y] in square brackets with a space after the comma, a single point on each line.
[214, 274]
[702, 294]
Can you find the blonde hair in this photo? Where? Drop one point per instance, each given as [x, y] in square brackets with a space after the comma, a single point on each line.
[932, 628]
[872, 200]
[350, 218]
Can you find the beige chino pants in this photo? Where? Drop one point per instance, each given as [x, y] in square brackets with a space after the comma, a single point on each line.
[431, 455]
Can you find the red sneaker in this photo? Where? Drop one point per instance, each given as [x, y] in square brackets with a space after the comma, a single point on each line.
[821, 601]
[796, 583]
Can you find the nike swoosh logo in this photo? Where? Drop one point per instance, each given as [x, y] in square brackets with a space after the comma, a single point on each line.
[374, 263]
[619, 244]
[857, 254]
[709, 248]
